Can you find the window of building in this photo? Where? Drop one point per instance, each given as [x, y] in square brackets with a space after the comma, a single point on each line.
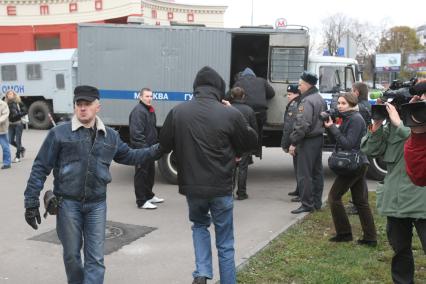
[45, 43]
[44, 9]
[60, 81]
[98, 5]
[170, 15]
[154, 14]
[287, 63]
[73, 7]
[8, 73]
[33, 72]
[190, 17]
[11, 10]
[157, 23]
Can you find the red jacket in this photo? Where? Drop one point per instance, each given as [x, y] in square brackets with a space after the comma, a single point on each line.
[415, 158]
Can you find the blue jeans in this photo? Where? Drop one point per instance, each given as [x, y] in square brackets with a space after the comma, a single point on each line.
[221, 210]
[77, 221]
[15, 137]
[4, 143]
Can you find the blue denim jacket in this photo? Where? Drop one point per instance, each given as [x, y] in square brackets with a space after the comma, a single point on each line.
[80, 169]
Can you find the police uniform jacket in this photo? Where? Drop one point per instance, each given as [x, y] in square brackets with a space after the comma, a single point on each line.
[289, 118]
[308, 124]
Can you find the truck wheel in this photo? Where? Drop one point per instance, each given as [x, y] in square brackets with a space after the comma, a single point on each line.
[38, 114]
[377, 169]
[168, 168]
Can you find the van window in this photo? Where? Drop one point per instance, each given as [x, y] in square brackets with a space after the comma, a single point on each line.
[287, 64]
[349, 77]
[8, 73]
[33, 72]
[60, 81]
[331, 79]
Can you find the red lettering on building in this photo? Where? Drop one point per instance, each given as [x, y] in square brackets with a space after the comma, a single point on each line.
[11, 10]
[73, 7]
[190, 17]
[44, 9]
[98, 5]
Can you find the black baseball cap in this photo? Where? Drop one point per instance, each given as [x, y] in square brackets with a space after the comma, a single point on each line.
[86, 93]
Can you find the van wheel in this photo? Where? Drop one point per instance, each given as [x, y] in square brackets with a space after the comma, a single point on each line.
[168, 168]
[377, 169]
[38, 114]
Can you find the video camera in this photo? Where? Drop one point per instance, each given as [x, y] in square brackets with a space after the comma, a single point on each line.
[399, 93]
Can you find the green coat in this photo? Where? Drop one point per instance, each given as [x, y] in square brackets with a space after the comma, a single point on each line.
[397, 196]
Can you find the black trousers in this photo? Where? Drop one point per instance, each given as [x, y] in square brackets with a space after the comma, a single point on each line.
[242, 174]
[358, 185]
[400, 234]
[260, 120]
[144, 182]
[297, 190]
[310, 179]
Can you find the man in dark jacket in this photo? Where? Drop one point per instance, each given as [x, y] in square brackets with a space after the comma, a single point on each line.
[238, 101]
[80, 153]
[289, 118]
[258, 91]
[306, 144]
[143, 133]
[207, 137]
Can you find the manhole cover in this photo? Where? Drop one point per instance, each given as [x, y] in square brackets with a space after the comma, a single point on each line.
[112, 232]
[116, 235]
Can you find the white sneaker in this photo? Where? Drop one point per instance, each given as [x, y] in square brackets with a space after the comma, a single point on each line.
[148, 205]
[16, 160]
[156, 199]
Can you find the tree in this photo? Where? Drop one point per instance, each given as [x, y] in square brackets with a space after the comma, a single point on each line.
[399, 39]
[338, 26]
[334, 28]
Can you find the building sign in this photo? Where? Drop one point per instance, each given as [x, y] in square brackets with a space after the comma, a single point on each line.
[416, 62]
[280, 23]
[388, 62]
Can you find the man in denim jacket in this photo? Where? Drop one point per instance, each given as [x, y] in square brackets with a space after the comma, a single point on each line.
[80, 153]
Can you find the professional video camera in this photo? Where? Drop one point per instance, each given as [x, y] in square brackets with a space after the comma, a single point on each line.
[397, 94]
[414, 114]
[325, 115]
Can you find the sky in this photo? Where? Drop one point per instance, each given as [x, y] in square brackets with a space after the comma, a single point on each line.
[310, 13]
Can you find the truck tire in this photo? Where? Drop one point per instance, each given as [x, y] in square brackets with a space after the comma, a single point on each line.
[39, 115]
[377, 169]
[168, 168]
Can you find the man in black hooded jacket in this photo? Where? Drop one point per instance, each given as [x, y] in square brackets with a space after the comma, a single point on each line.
[207, 137]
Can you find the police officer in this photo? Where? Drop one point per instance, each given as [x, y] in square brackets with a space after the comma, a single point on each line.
[289, 119]
[306, 144]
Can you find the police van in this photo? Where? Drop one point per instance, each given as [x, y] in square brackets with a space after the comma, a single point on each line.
[44, 80]
[122, 59]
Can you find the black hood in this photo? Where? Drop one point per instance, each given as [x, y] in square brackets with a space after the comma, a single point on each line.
[208, 77]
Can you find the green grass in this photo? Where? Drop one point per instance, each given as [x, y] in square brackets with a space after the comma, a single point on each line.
[303, 254]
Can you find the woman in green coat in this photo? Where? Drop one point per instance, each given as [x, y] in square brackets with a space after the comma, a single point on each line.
[402, 202]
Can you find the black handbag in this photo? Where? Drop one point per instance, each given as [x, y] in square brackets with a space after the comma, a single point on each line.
[344, 163]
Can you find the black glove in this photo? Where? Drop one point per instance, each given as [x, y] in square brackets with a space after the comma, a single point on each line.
[31, 215]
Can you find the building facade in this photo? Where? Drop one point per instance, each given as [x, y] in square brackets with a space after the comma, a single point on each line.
[421, 34]
[51, 24]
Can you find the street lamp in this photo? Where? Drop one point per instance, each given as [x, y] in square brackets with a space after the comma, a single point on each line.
[252, 12]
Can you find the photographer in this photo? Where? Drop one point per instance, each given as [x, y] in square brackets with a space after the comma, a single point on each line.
[348, 137]
[398, 198]
[415, 147]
